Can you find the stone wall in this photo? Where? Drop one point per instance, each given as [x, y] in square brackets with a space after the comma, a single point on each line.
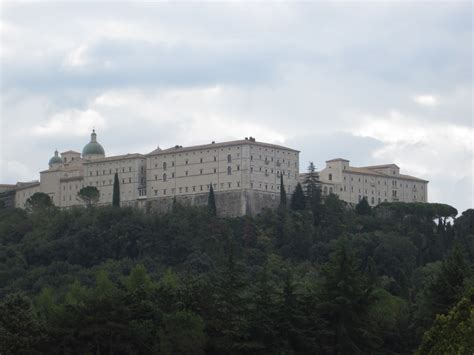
[228, 203]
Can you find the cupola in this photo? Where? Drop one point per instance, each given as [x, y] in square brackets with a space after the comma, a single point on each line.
[56, 159]
[93, 148]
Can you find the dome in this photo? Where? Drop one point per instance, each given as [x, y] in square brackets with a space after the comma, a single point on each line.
[93, 148]
[55, 159]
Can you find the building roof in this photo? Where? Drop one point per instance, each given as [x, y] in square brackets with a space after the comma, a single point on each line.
[70, 151]
[367, 171]
[116, 157]
[25, 185]
[7, 186]
[251, 141]
[383, 166]
[336, 159]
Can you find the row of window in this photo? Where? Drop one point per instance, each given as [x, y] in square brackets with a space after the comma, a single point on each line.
[104, 172]
[372, 182]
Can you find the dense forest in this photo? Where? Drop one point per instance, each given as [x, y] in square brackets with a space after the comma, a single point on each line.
[312, 277]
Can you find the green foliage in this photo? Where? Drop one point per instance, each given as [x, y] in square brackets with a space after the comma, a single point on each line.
[39, 201]
[182, 332]
[452, 333]
[89, 195]
[298, 201]
[309, 281]
[20, 331]
[116, 192]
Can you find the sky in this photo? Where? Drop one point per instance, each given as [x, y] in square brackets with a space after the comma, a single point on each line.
[372, 82]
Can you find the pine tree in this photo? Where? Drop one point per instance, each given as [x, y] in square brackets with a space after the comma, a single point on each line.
[298, 201]
[211, 201]
[346, 299]
[116, 195]
[282, 193]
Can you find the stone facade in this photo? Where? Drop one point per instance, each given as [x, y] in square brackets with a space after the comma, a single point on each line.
[245, 175]
[379, 183]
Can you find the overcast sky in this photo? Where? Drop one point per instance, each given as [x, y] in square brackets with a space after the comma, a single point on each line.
[371, 82]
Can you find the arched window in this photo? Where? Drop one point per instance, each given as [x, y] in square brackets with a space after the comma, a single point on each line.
[330, 176]
[164, 165]
[164, 177]
[229, 170]
[229, 158]
[372, 200]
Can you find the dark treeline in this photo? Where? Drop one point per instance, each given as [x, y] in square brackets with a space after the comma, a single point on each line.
[313, 277]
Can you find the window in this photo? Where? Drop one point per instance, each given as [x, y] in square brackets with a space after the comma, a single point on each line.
[172, 175]
[330, 177]
[201, 160]
[251, 169]
[186, 188]
[164, 177]
[129, 179]
[129, 168]
[156, 192]
[215, 158]
[238, 167]
[200, 171]
[229, 170]
[164, 192]
[230, 184]
[372, 200]
[172, 163]
[187, 173]
[215, 170]
[156, 177]
[186, 161]
[229, 158]
[164, 165]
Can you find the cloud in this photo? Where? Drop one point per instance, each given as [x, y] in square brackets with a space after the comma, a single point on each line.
[426, 100]
[393, 84]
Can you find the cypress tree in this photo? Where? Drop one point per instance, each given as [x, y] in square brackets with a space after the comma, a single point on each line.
[298, 201]
[211, 201]
[116, 195]
[282, 192]
[363, 207]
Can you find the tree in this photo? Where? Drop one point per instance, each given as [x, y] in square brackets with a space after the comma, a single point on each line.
[346, 298]
[313, 194]
[449, 283]
[452, 333]
[89, 195]
[298, 201]
[282, 192]
[39, 201]
[182, 332]
[116, 195]
[20, 330]
[211, 201]
[363, 208]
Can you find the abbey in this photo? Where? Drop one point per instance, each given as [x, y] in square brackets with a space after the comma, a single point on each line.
[245, 175]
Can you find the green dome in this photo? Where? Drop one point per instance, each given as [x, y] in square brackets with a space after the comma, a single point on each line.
[55, 159]
[93, 148]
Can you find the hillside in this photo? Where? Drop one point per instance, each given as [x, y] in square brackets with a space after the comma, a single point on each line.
[325, 279]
